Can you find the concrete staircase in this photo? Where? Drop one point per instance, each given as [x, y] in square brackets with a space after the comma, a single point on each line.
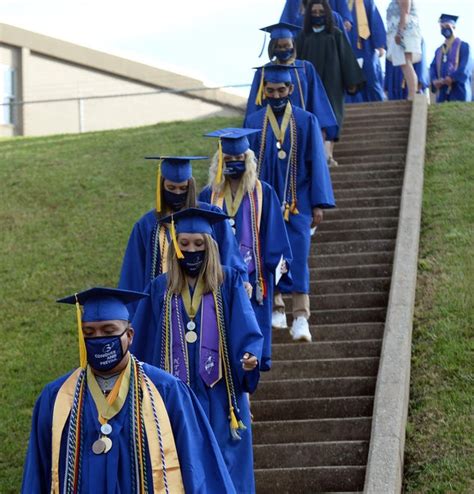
[313, 410]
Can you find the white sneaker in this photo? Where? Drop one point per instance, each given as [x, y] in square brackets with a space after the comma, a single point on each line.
[279, 320]
[300, 330]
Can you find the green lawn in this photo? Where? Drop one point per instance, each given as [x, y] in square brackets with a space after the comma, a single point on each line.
[67, 206]
[439, 450]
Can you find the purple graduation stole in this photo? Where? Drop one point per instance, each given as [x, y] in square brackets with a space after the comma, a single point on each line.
[246, 235]
[210, 368]
[179, 356]
[452, 58]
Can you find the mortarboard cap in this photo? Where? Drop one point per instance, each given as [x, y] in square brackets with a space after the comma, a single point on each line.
[234, 140]
[281, 30]
[175, 168]
[452, 19]
[276, 73]
[192, 220]
[100, 304]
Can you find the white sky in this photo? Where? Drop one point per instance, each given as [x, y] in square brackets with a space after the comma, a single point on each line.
[213, 40]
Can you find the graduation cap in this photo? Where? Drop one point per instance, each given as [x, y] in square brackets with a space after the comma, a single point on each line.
[192, 220]
[175, 168]
[281, 30]
[232, 141]
[100, 304]
[274, 73]
[452, 19]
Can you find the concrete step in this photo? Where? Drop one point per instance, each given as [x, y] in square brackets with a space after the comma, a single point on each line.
[376, 152]
[326, 350]
[366, 285]
[361, 234]
[353, 272]
[336, 332]
[306, 369]
[358, 259]
[347, 300]
[360, 176]
[291, 455]
[316, 388]
[310, 480]
[354, 135]
[366, 192]
[382, 120]
[385, 155]
[342, 316]
[313, 430]
[363, 146]
[341, 183]
[360, 213]
[353, 246]
[368, 202]
[333, 224]
[312, 408]
[367, 167]
[376, 106]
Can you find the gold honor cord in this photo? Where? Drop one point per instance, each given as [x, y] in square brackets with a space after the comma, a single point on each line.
[80, 335]
[158, 187]
[191, 305]
[233, 204]
[280, 132]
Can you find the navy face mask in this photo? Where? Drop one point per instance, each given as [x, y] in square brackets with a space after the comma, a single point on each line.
[447, 32]
[278, 104]
[318, 20]
[283, 55]
[192, 262]
[175, 201]
[103, 354]
[234, 169]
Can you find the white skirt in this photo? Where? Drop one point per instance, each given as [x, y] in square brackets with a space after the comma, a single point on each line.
[411, 44]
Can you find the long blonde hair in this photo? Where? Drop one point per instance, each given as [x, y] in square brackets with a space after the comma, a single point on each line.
[249, 178]
[212, 273]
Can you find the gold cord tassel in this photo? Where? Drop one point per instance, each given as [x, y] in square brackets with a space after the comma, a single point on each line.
[220, 163]
[158, 188]
[286, 214]
[179, 254]
[80, 335]
[260, 94]
[294, 209]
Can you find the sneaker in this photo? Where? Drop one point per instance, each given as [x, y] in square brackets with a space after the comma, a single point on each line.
[279, 320]
[300, 330]
[332, 162]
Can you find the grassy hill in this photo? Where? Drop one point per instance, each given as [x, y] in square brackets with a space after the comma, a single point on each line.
[68, 204]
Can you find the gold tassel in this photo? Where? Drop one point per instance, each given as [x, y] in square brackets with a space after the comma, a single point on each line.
[242, 426]
[220, 164]
[82, 344]
[260, 94]
[158, 188]
[179, 254]
[294, 209]
[233, 420]
[286, 214]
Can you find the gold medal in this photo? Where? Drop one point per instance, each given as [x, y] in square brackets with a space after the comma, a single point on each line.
[108, 443]
[98, 447]
[191, 325]
[281, 154]
[191, 337]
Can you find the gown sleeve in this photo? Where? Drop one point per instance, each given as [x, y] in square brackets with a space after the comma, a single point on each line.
[378, 34]
[352, 74]
[251, 105]
[433, 73]
[464, 70]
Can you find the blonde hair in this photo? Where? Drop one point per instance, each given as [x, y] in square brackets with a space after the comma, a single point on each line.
[191, 197]
[249, 178]
[212, 273]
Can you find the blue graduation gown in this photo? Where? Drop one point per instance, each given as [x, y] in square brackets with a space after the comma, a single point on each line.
[202, 466]
[313, 185]
[341, 7]
[374, 88]
[274, 244]
[243, 335]
[395, 85]
[461, 89]
[137, 262]
[312, 93]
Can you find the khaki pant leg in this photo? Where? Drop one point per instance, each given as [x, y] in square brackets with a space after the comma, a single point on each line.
[301, 305]
[278, 302]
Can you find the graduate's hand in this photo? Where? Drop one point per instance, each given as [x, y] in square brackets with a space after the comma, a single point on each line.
[249, 362]
[248, 288]
[317, 217]
[347, 25]
[381, 52]
[398, 39]
[284, 268]
[448, 81]
[438, 83]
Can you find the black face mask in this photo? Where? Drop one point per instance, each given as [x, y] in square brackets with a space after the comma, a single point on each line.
[234, 169]
[278, 104]
[318, 20]
[192, 262]
[175, 201]
[447, 32]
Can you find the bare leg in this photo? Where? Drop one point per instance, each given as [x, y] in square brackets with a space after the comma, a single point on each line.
[410, 76]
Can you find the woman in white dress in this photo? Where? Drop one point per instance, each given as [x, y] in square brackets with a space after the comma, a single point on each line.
[404, 40]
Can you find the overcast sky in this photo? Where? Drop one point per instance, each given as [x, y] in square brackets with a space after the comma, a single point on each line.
[214, 40]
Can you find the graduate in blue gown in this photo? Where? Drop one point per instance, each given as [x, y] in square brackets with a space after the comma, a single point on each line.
[309, 92]
[291, 158]
[451, 69]
[395, 85]
[116, 425]
[257, 221]
[369, 41]
[145, 255]
[199, 325]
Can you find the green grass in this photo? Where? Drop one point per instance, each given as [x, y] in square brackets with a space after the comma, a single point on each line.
[67, 206]
[439, 448]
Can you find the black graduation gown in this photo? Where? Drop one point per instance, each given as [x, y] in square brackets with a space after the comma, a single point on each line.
[332, 56]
